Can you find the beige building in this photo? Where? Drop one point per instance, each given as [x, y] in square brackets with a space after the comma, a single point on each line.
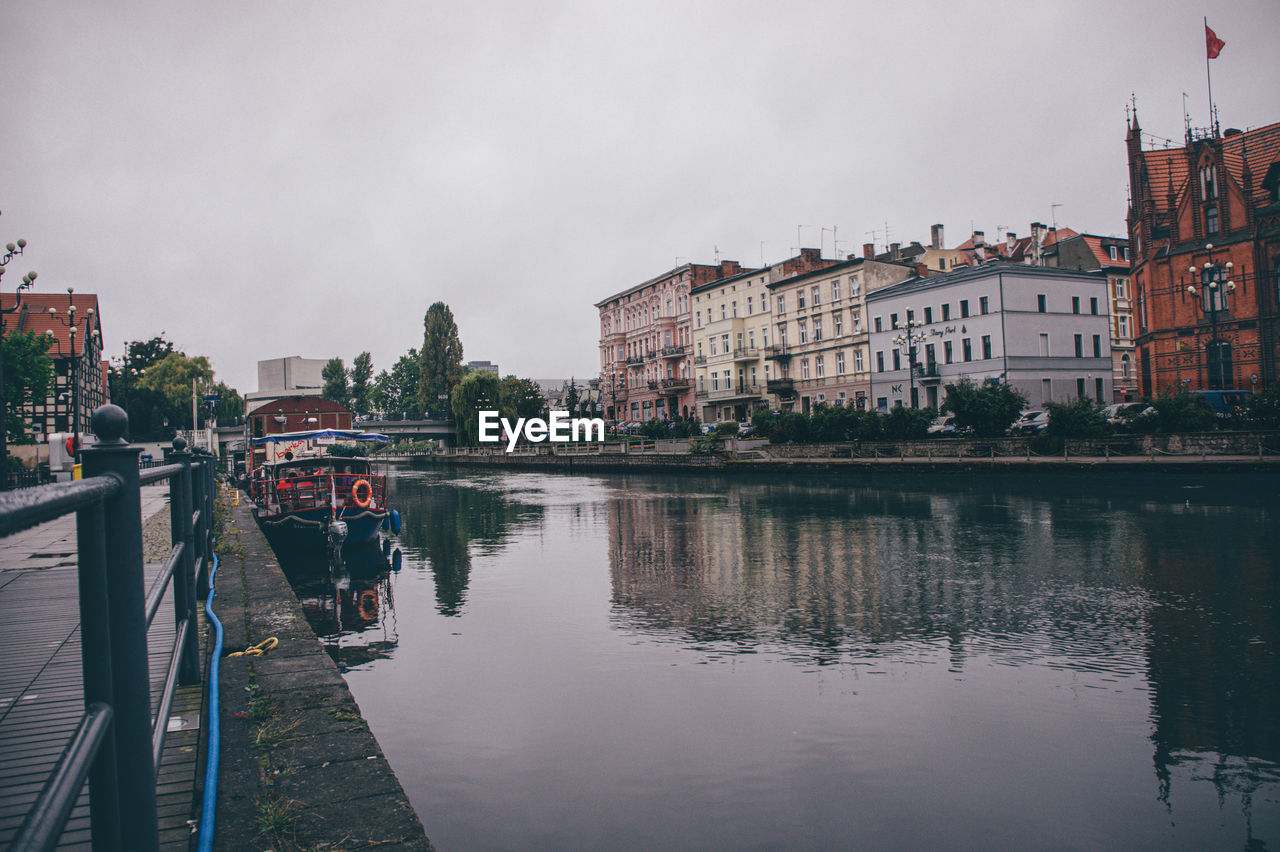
[819, 353]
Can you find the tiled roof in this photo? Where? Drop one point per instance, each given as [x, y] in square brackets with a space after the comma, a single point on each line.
[1169, 170]
[33, 315]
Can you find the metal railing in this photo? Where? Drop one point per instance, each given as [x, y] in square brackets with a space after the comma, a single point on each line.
[117, 745]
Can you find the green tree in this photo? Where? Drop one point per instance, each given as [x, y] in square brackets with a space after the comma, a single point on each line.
[907, 424]
[139, 355]
[336, 389]
[361, 384]
[571, 397]
[989, 410]
[479, 391]
[1179, 411]
[395, 393]
[170, 379]
[1263, 409]
[1079, 419]
[27, 372]
[521, 398]
[441, 356]
[229, 410]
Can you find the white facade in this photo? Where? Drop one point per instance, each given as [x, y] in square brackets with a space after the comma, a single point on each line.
[1045, 331]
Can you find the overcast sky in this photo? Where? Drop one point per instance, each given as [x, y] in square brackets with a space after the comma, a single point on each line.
[259, 180]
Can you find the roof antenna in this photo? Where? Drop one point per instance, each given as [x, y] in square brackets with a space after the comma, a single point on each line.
[1053, 214]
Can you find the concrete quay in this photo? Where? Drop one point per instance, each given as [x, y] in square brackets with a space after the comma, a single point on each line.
[300, 768]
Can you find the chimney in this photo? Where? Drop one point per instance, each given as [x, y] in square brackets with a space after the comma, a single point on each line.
[922, 271]
[869, 251]
[935, 236]
[729, 268]
[1011, 240]
[979, 239]
[895, 251]
[1037, 242]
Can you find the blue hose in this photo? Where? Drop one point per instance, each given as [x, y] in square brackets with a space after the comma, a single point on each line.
[209, 802]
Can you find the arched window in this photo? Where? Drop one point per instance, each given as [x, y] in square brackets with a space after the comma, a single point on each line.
[1124, 367]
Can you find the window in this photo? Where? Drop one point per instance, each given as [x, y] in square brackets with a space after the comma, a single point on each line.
[735, 307]
[1122, 288]
[835, 290]
[1040, 303]
[800, 300]
[893, 321]
[804, 368]
[911, 316]
[749, 311]
[815, 296]
[723, 313]
[1075, 304]
[839, 363]
[782, 304]
[882, 403]
[715, 380]
[928, 316]
[986, 346]
[1208, 182]
[984, 305]
[942, 263]
[804, 332]
[946, 311]
[724, 343]
[1124, 366]
[837, 323]
[818, 366]
[897, 360]
[1079, 345]
[964, 308]
[967, 345]
[929, 356]
[817, 329]
[1213, 297]
[879, 362]
[1093, 305]
[878, 328]
[713, 346]
[1044, 345]
[857, 360]
[857, 322]
[946, 352]
[1211, 219]
[853, 285]
[1097, 346]
[1123, 322]
[1097, 387]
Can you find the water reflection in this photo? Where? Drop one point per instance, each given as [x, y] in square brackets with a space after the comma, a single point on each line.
[444, 520]
[348, 600]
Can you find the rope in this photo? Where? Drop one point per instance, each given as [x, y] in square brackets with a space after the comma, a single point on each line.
[257, 650]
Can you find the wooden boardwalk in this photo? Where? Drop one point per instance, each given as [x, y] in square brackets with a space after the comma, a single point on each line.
[41, 698]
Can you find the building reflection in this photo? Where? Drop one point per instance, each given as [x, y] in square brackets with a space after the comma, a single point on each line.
[443, 521]
[348, 600]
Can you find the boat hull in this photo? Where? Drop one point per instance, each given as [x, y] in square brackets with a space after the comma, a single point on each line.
[309, 528]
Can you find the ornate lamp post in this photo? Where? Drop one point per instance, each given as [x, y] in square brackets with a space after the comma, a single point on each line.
[74, 360]
[907, 341]
[12, 250]
[1214, 294]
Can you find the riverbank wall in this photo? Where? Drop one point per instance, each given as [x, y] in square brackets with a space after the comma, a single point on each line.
[299, 767]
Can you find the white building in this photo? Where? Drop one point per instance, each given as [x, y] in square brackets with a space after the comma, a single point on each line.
[1045, 331]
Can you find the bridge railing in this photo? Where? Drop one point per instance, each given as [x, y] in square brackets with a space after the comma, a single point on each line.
[117, 745]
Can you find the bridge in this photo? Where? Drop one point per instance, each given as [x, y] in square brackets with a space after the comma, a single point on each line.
[442, 430]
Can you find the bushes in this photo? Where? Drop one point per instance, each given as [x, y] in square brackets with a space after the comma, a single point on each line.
[1079, 419]
[1181, 412]
[988, 409]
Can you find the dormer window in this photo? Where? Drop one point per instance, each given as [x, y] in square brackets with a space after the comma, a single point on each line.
[1208, 181]
[1211, 219]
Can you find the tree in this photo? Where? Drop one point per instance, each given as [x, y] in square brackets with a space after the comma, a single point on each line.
[479, 391]
[1079, 419]
[571, 397]
[396, 392]
[170, 381]
[908, 424]
[27, 372]
[989, 410]
[521, 398]
[441, 356]
[336, 389]
[230, 409]
[1179, 411]
[361, 388]
[139, 355]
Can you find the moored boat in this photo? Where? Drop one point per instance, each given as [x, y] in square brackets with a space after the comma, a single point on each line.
[305, 497]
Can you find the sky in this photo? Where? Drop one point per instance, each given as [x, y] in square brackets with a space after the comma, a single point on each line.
[259, 180]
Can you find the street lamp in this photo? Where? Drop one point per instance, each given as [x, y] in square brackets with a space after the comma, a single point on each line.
[907, 341]
[1214, 294]
[12, 250]
[74, 360]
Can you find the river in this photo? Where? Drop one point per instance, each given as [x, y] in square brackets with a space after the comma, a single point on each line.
[704, 662]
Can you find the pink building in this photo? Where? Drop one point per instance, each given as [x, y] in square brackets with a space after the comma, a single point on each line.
[646, 358]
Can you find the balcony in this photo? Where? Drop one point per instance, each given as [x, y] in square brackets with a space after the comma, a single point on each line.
[699, 360]
[676, 384]
[674, 351]
[928, 373]
[701, 394]
[784, 388]
[653, 384]
[778, 353]
[746, 353]
[742, 391]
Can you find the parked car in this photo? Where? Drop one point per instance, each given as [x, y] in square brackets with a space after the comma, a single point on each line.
[1124, 413]
[746, 430]
[1030, 423]
[943, 425]
[1225, 403]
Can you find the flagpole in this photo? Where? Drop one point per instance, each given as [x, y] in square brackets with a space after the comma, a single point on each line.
[1213, 121]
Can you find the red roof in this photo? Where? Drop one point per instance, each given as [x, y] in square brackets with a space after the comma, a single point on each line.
[1168, 170]
[33, 315]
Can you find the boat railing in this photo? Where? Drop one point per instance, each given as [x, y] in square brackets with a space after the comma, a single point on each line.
[317, 490]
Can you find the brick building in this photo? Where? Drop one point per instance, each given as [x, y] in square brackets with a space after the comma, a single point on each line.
[1204, 236]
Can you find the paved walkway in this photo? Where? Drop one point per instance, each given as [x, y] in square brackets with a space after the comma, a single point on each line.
[41, 697]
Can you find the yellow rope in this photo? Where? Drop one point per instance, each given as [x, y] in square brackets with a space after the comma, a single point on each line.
[257, 650]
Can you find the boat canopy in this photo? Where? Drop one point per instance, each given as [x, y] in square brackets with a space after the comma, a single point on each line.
[343, 434]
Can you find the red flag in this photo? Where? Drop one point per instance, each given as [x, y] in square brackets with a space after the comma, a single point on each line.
[1212, 44]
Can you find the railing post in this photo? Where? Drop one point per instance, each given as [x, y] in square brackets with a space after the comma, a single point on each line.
[184, 575]
[135, 780]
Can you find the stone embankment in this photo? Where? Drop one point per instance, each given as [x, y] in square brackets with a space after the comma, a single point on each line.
[299, 766]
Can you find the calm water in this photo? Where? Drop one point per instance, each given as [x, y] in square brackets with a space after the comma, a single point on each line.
[648, 662]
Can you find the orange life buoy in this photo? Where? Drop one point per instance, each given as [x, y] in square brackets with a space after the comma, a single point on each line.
[362, 502]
